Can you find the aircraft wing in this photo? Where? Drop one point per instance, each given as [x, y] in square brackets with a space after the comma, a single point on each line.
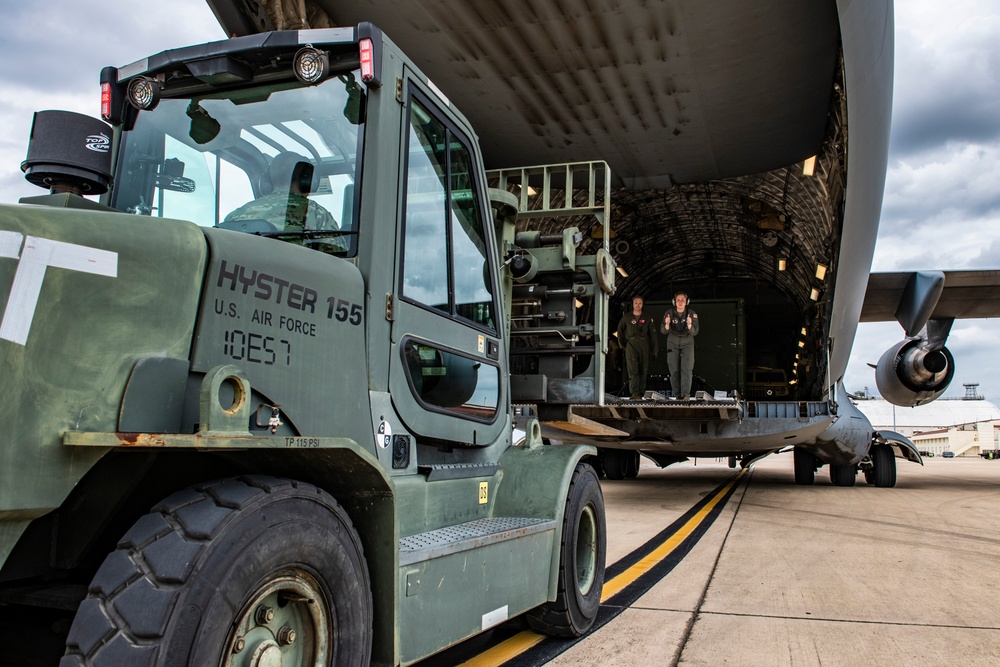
[966, 295]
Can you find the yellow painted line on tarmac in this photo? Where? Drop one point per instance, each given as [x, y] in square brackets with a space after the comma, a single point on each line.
[522, 641]
[506, 650]
[619, 583]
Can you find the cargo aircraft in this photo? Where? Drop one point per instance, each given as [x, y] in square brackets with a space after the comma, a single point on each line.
[746, 146]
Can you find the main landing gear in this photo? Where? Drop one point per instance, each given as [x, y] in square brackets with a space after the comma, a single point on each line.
[805, 467]
[620, 463]
[843, 475]
[879, 468]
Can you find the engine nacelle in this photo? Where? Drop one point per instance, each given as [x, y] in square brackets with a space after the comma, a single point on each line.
[913, 373]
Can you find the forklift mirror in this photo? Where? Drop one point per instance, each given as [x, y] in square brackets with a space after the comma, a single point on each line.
[352, 108]
[204, 128]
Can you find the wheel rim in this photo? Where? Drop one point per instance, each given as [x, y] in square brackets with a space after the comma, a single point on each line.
[586, 551]
[286, 621]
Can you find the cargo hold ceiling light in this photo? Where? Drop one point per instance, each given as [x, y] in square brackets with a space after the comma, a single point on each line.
[311, 65]
[782, 263]
[622, 271]
[143, 93]
[821, 271]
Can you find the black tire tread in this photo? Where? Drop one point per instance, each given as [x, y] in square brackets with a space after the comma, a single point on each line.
[805, 467]
[554, 618]
[843, 475]
[614, 464]
[884, 463]
[631, 464]
[136, 588]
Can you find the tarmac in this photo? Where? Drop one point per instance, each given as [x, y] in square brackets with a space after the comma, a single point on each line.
[797, 575]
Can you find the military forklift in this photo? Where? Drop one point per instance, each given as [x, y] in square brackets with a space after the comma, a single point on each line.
[282, 434]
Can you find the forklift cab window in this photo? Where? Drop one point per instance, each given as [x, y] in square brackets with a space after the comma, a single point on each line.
[445, 259]
[203, 159]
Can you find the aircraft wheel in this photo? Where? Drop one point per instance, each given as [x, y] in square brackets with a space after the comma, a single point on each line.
[631, 466]
[597, 463]
[843, 475]
[614, 463]
[581, 561]
[805, 467]
[252, 570]
[884, 462]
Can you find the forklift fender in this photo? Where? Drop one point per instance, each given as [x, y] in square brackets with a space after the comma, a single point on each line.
[535, 484]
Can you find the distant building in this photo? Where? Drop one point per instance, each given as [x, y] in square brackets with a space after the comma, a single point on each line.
[965, 427]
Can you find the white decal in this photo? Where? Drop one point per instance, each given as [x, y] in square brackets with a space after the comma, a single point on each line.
[38, 255]
[383, 435]
[495, 617]
[99, 143]
[439, 93]
[10, 243]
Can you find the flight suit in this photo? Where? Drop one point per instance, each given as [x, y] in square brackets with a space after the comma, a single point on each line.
[680, 349]
[287, 211]
[637, 334]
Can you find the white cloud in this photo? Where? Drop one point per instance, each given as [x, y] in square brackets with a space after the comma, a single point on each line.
[942, 200]
[53, 53]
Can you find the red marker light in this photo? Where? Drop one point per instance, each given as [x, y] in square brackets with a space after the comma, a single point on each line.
[367, 60]
[106, 101]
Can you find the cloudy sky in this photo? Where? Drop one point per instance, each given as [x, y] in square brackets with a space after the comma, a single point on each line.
[942, 200]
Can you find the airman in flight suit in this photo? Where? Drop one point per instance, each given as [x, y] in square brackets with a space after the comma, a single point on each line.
[680, 324]
[637, 335]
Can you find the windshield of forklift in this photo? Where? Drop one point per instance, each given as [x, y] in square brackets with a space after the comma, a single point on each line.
[281, 161]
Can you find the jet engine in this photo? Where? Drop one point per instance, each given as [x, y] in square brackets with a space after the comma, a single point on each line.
[914, 372]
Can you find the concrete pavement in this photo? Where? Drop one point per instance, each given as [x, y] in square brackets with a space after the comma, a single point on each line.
[818, 575]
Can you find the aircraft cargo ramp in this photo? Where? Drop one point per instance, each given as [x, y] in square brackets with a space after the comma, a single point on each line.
[706, 427]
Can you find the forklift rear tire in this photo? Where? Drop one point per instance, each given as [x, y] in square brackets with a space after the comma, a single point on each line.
[581, 561]
[251, 567]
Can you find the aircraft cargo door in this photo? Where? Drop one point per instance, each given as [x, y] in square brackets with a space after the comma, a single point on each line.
[448, 368]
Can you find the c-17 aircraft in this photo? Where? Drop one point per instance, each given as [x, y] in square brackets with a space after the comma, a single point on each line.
[746, 145]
